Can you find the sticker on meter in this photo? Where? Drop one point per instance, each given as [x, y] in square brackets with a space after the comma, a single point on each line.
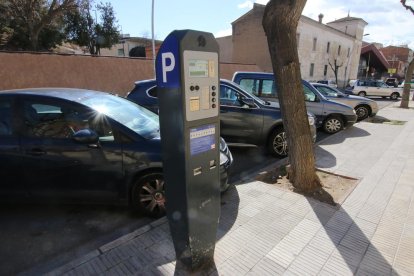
[202, 139]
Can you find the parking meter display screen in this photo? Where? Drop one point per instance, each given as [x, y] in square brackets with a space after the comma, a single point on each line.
[198, 68]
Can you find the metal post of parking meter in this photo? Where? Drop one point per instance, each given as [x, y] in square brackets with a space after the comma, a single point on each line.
[187, 72]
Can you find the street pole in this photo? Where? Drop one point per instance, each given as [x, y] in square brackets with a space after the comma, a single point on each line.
[152, 30]
[369, 57]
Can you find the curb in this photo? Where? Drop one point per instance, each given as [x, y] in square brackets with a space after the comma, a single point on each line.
[107, 247]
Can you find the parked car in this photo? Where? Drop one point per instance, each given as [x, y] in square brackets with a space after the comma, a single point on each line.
[330, 115]
[331, 83]
[244, 118]
[366, 88]
[364, 107]
[83, 145]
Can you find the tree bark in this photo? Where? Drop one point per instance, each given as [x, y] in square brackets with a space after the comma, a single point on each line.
[407, 85]
[280, 22]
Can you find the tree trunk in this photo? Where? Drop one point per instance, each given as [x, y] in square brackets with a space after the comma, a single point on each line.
[407, 85]
[280, 22]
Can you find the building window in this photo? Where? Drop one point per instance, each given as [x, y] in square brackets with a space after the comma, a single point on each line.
[314, 43]
[121, 52]
[312, 66]
[325, 70]
[349, 51]
[297, 38]
[328, 46]
[339, 50]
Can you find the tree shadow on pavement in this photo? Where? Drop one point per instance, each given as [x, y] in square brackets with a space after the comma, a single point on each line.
[345, 239]
[324, 159]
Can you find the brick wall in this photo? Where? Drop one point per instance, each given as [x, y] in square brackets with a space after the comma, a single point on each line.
[111, 74]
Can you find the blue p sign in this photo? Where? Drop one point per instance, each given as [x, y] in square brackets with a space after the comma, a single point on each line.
[168, 63]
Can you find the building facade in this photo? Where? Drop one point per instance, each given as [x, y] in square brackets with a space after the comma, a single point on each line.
[398, 58]
[131, 47]
[319, 45]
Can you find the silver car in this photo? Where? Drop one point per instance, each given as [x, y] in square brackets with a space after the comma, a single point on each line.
[363, 107]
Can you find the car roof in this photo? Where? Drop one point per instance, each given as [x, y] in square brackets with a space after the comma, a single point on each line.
[72, 94]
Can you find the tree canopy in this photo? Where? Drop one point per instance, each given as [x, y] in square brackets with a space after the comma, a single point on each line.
[84, 30]
[40, 25]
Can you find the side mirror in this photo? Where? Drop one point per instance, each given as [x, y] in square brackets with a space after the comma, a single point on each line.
[249, 102]
[86, 136]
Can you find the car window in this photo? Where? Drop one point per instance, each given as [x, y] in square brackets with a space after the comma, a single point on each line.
[326, 91]
[5, 118]
[309, 95]
[381, 84]
[268, 88]
[250, 85]
[229, 96]
[45, 120]
[60, 120]
[137, 118]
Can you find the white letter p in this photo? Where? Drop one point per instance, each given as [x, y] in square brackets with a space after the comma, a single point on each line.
[166, 68]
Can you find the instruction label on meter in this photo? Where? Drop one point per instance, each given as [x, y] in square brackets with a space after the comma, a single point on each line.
[202, 139]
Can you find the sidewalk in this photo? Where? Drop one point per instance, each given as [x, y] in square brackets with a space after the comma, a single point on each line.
[267, 231]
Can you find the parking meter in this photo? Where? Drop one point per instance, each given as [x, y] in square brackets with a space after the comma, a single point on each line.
[187, 73]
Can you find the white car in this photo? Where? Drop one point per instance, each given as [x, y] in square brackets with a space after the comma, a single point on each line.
[366, 88]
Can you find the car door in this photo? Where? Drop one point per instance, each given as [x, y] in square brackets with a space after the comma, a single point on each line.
[56, 166]
[373, 89]
[239, 122]
[313, 104]
[11, 167]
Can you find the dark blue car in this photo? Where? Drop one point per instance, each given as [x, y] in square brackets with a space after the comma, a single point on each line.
[244, 118]
[79, 145]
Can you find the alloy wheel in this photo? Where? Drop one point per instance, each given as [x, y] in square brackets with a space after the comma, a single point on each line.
[280, 144]
[152, 196]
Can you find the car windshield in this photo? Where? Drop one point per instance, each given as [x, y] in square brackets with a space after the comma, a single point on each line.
[133, 116]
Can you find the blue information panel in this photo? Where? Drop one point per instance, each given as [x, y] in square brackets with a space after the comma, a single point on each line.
[202, 139]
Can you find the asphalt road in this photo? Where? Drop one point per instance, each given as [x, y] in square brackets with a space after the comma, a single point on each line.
[37, 238]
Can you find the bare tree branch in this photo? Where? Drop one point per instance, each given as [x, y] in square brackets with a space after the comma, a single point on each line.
[408, 7]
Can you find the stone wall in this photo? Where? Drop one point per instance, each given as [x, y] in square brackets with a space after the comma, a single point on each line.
[111, 74]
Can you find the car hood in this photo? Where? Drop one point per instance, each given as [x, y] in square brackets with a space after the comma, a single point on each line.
[357, 98]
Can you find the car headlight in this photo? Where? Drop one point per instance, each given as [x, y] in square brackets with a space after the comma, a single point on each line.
[353, 110]
[311, 120]
[223, 158]
[223, 145]
[225, 153]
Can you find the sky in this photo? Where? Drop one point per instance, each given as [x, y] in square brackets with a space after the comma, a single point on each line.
[388, 21]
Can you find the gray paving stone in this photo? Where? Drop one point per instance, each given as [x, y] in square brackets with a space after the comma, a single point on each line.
[266, 267]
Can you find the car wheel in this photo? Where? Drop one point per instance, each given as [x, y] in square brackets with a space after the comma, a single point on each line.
[277, 145]
[333, 124]
[394, 96]
[148, 195]
[362, 112]
[362, 94]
